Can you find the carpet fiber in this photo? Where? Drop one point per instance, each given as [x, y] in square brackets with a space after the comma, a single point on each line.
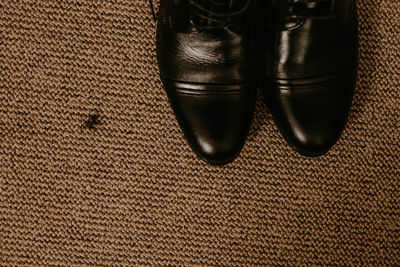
[94, 169]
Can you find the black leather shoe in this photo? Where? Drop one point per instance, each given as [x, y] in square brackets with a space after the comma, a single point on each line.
[206, 55]
[311, 62]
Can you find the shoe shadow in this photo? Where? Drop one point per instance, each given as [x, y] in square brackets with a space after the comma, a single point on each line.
[261, 116]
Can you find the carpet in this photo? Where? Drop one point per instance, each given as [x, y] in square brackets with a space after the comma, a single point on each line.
[94, 169]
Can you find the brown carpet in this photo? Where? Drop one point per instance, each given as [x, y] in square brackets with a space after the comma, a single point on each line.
[95, 171]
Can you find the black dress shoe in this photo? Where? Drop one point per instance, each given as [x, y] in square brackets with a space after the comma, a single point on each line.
[311, 62]
[206, 55]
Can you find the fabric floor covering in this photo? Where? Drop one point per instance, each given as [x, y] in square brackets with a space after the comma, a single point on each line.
[94, 169]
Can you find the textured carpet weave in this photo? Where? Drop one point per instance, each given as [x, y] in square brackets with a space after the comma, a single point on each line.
[94, 169]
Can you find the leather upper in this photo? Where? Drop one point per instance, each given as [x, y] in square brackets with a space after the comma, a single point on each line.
[311, 39]
[193, 49]
[310, 70]
[206, 55]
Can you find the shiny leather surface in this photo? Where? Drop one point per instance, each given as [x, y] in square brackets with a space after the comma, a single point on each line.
[206, 55]
[310, 70]
[214, 119]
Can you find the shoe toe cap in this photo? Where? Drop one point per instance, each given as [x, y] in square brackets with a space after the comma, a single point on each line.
[215, 119]
[312, 117]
